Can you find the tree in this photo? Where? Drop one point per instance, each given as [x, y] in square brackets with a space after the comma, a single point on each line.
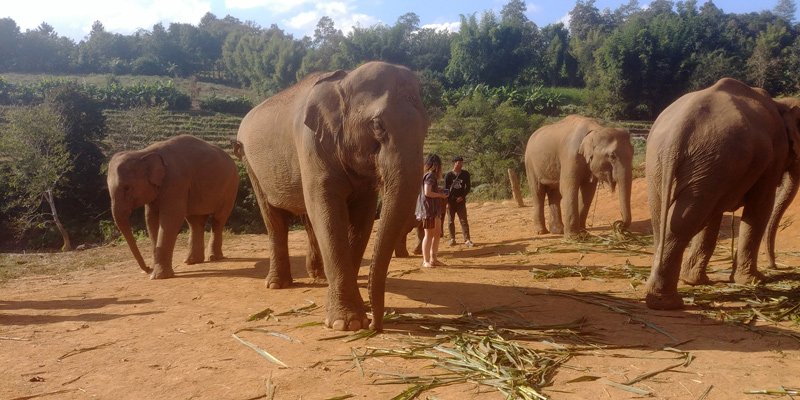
[9, 43]
[766, 65]
[785, 9]
[492, 136]
[36, 145]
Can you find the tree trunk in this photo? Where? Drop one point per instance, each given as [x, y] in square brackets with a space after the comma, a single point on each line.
[515, 190]
[67, 246]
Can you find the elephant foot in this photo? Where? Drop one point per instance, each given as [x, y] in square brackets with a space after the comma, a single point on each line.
[278, 283]
[348, 322]
[162, 273]
[664, 301]
[748, 278]
[556, 230]
[695, 279]
[540, 231]
[401, 253]
[195, 259]
[216, 257]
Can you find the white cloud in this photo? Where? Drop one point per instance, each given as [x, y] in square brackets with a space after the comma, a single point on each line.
[342, 13]
[272, 6]
[74, 19]
[445, 26]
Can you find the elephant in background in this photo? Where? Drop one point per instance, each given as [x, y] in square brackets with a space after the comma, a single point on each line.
[180, 178]
[324, 148]
[565, 160]
[786, 192]
[711, 151]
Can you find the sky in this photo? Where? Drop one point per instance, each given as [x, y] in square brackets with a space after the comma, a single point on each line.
[298, 17]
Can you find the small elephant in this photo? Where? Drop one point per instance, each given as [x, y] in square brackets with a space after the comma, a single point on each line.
[180, 178]
[565, 160]
[711, 151]
[324, 148]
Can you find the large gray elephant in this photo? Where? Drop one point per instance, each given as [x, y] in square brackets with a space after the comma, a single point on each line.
[565, 160]
[324, 148]
[180, 178]
[711, 151]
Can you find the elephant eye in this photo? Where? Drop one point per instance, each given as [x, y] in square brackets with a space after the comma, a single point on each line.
[378, 130]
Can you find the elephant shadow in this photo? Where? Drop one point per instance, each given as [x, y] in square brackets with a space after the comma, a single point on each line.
[609, 320]
[257, 270]
[67, 304]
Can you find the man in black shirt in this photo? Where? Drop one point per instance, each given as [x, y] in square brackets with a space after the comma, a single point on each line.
[458, 185]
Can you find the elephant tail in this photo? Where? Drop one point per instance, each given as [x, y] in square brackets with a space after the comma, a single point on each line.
[238, 149]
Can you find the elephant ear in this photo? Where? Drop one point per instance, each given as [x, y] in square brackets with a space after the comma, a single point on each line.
[587, 146]
[325, 106]
[155, 168]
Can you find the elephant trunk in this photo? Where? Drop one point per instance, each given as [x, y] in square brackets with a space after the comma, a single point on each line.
[122, 219]
[783, 198]
[402, 180]
[624, 178]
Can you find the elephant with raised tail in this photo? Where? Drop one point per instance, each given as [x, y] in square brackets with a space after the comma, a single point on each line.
[564, 162]
[179, 178]
[324, 148]
[712, 151]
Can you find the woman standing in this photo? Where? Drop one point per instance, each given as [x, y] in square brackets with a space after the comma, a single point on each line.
[432, 204]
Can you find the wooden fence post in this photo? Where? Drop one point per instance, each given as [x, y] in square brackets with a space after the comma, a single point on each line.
[514, 178]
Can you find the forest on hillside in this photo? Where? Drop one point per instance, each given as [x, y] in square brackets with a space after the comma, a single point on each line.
[486, 87]
[635, 59]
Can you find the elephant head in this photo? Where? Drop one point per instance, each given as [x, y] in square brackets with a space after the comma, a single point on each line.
[789, 109]
[374, 120]
[609, 156]
[134, 179]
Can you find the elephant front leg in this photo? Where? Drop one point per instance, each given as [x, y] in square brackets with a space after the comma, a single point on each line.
[693, 270]
[330, 216]
[167, 235]
[587, 192]
[554, 205]
[151, 219]
[197, 224]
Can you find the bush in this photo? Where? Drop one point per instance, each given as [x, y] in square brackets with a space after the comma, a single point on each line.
[227, 105]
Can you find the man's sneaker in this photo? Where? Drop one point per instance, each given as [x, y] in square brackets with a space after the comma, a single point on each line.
[452, 242]
[468, 243]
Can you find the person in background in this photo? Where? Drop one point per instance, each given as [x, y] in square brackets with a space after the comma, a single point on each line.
[458, 184]
[432, 202]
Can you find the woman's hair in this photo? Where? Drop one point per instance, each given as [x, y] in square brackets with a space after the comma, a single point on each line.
[433, 162]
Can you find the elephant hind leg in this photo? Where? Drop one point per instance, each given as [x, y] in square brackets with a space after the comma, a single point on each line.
[554, 204]
[215, 242]
[197, 225]
[280, 269]
[693, 270]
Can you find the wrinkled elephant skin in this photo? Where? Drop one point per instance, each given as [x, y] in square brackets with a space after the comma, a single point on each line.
[709, 152]
[564, 162]
[324, 148]
[180, 178]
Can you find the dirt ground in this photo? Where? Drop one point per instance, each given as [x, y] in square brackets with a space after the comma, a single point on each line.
[107, 332]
